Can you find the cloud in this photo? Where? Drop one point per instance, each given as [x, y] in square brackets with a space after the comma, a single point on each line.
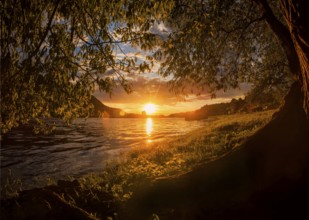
[160, 30]
[123, 51]
[145, 89]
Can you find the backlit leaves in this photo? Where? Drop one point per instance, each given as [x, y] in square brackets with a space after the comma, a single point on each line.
[218, 44]
[54, 54]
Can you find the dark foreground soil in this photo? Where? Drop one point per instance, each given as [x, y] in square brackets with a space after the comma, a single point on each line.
[56, 202]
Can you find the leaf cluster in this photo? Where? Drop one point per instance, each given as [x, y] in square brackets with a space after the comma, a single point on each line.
[216, 45]
[55, 54]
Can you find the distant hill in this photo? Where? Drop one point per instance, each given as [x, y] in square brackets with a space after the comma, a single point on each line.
[234, 106]
[102, 111]
[205, 111]
[210, 110]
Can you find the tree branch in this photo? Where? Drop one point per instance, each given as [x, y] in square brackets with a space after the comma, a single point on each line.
[283, 35]
[242, 27]
[46, 30]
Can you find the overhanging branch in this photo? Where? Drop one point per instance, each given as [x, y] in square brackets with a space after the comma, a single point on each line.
[46, 30]
[283, 35]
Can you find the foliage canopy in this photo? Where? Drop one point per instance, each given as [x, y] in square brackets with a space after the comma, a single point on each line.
[54, 54]
[219, 44]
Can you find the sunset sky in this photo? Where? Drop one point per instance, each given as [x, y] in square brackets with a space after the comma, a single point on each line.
[152, 88]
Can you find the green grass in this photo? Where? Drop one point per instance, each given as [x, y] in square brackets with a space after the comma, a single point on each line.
[141, 165]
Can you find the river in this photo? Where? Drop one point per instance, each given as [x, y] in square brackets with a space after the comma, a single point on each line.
[84, 146]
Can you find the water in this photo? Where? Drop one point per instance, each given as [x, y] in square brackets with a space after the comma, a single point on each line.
[83, 147]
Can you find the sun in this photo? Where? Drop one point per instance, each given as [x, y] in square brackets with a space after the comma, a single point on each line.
[150, 108]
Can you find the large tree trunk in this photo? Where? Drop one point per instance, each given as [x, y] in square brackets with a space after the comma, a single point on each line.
[294, 39]
[296, 16]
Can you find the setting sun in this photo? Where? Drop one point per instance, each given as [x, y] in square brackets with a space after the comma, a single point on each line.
[149, 108]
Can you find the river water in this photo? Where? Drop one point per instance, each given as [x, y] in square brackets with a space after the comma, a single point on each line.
[84, 146]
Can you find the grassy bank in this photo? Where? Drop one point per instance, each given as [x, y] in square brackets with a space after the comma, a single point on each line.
[142, 165]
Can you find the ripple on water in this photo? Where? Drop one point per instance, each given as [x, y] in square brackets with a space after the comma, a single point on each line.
[85, 146]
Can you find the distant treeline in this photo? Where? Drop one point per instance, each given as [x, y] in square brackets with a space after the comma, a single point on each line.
[241, 105]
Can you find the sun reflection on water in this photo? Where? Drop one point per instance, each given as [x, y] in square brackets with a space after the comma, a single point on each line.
[149, 129]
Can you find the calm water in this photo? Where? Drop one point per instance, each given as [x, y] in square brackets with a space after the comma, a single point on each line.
[83, 147]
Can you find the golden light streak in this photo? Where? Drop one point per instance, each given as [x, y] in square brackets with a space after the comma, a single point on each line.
[149, 129]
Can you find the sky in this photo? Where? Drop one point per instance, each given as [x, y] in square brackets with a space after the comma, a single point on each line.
[147, 89]
[153, 88]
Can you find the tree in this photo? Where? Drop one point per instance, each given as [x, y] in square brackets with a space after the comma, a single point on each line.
[297, 21]
[215, 45]
[219, 44]
[55, 53]
[52, 58]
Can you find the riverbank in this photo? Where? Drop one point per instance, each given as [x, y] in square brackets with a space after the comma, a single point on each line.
[139, 168]
[82, 147]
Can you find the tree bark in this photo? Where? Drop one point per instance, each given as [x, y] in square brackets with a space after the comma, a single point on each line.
[294, 39]
[296, 15]
[283, 35]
